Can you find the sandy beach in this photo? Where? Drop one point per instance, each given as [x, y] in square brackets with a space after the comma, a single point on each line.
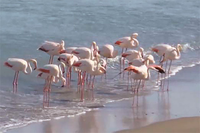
[180, 101]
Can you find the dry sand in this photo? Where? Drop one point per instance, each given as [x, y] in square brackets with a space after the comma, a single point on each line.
[181, 125]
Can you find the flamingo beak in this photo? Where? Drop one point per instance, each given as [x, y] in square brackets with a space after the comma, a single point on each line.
[59, 59]
[76, 64]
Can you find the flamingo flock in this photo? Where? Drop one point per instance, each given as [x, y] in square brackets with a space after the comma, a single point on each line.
[89, 62]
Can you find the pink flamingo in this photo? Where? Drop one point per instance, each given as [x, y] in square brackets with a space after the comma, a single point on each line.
[127, 42]
[86, 66]
[142, 73]
[52, 48]
[148, 59]
[53, 73]
[68, 60]
[171, 54]
[108, 51]
[99, 69]
[131, 55]
[17, 65]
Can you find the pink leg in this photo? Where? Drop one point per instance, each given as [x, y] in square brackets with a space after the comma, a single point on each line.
[70, 75]
[143, 82]
[165, 75]
[90, 81]
[14, 82]
[128, 80]
[50, 59]
[82, 86]
[135, 85]
[106, 67]
[123, 63]
[168, 75]
[161, 66]
[93, 82]
[138, 86]
[120, 61]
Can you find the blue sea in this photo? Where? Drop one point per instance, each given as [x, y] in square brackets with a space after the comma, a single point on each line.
[25, 25]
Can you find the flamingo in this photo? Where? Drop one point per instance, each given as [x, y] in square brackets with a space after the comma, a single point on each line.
[99, 69]
[85, 65]
[160, 49]
[131, 55]
[52, 48]
[142, 72]
[17, 65]
[148, 59]
[53, 73]
[171, 54]
[68, 60]
[127, 42]
[108, 51]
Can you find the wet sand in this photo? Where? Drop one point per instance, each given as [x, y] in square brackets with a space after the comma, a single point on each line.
[180, 125]
[181, 101]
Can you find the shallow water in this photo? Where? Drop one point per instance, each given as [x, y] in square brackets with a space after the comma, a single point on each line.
[25, 25]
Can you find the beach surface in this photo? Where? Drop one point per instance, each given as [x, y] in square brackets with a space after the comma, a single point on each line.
[181, 101]
[181, 125]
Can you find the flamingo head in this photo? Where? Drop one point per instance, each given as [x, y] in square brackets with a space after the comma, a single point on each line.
[134, 35]
[180, 47]
[102, 69]
[150, 58]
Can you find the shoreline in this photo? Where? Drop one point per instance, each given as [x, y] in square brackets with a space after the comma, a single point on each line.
[142, 116]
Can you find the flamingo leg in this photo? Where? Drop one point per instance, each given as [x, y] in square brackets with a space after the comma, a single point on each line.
[135, 85]
[143, 83]
[128, 80]
[93, 82]
[106, 67]
[82, 86]
[14, 82]
[165, 75]
[90, 81]
[123, 65]
[70, 75]
[138, 86]
[120, 61]
[168, 75]
[161, 66]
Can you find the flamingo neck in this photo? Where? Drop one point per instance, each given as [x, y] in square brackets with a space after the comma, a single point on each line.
[60, 66]
[29, 68]
[178, 52]
[136, 42]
